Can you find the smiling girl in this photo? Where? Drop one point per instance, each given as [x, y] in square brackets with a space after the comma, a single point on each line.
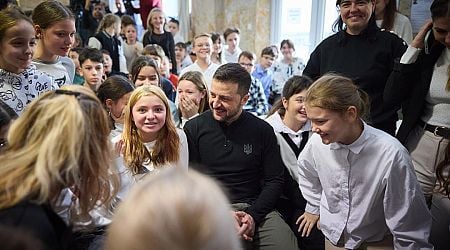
[349, 174]
[292, 128]
[193, 96]
[150, 140]
[156, 34]
[20, 81]
[54, 24]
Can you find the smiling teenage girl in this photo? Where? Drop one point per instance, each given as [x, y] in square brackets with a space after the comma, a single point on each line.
[150, 140]
[55, 30]
[349, 174]
[20, 81]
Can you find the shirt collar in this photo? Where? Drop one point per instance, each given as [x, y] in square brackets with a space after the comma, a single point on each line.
[279, 125]
[357, 146]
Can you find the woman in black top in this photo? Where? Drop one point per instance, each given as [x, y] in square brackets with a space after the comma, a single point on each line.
[362, 52]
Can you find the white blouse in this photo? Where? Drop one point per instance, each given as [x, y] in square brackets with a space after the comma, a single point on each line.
[364, 191]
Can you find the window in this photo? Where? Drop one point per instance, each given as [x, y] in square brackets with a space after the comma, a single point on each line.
[305, 22]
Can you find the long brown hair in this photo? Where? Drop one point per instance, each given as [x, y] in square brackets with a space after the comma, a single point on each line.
[167, 144]
[389, 15]
[442, 173]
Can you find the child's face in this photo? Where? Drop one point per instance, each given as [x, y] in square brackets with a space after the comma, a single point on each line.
[130, 33]
[58, 38]
[117, 107]
[98, 10]
[107, 63]
[92, 72]
[332, 126]
[147, 75]
[173, 28]
[149, 116]
[233, 40]
[187, 89]
[74, 56]
[17, 47]
[180, 53]
[287, 51]
[217, 46]
[202, 47]
[267, 61]
[158, 20]
[295, 108]
[247, 64]
[165, 67]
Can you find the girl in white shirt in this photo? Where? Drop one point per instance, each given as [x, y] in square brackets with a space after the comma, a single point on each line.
[150, 140]
[292, 128]
[55, 32]
[358, 180]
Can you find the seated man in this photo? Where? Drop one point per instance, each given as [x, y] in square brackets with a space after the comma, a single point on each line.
[241, 151]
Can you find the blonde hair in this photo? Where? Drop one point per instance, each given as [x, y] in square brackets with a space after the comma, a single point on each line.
[167, 144]
[153, 12]
[60, 141]
[337, 93]
[176, 210]
[107, 21]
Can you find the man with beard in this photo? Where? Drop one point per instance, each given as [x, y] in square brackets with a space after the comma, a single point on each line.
[241, 152]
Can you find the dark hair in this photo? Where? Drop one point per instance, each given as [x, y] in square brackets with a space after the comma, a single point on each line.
[247, 54]
[228, 31]
[139, 63]
[293, 85]
[181, 45]
[215, 36]
[174, 20]
[389, 15]
[442, 172]
[440, 8]
[234, 73]
[289, 43]
[126, 20]
[6, 114]
[49, 12]
[338, 25]
[77, 49]
[92, 54]
[105, 51]
[268, 51]
[114, 87]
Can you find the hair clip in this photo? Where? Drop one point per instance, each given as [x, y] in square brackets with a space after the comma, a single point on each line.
[67, 92]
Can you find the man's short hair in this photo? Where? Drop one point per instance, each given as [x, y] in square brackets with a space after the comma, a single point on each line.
[202, 35]
[228, 31]
[247, 54]
[268, 51]
[234, 73]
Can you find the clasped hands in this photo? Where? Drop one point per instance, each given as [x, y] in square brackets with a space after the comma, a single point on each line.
[245, 225]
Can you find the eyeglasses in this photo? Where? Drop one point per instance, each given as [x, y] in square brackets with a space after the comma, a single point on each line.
[246, 65]
[346, 4]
